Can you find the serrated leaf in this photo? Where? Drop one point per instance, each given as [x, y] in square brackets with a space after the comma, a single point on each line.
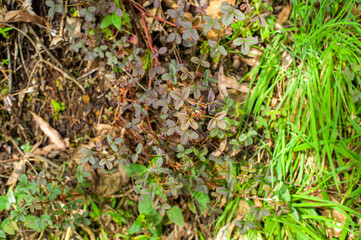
[159, 162]
[137, 225]
[195, 60]
[242, 137]
[193, 123]
[222, 50]
[294, 214]
[212, 44]
[222, 191]
[139, 148]
[185, 93]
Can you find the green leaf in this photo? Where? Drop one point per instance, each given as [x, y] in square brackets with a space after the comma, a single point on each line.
[11, 196]
[242, 137]
[145, 207]
[176, 216]
[8, 226]
[284, 193]
[117, 21]
[294, 214]
[192, 207]
[2, 234]
[203, 200]
[154, 218]
[137, 225]
[134, 168]
[4, 203]
[96, 212]
[31, 222]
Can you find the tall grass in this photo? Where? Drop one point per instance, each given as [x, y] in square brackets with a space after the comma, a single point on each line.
[318, 152]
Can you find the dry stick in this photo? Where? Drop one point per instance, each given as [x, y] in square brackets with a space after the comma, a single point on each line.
[25, 34]
[136, 5]
[22, 60]
[85, 75]
[61, 29]
[66, 73]
[62, 69]
[9, 67]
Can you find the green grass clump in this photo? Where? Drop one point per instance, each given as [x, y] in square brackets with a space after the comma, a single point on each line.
[316, 144]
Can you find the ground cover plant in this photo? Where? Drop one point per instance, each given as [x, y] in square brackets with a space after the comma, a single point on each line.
[180, 119]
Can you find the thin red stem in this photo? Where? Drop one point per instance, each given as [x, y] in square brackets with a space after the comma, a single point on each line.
[149, 15]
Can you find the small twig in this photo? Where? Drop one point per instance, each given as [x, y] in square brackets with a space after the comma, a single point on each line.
[9, 66]
[85, 75]
[15, 145]
[66, 75]
[136, 5]
[61, 29]
[122, 194]
[35, 157]
[62, 69]
[22, 60]
[26, 35]
[135, 81]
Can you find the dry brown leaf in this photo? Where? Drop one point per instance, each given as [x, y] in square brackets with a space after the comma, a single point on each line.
[242, 209]
[2, 13]
[24, 16]
[286, 59]
[110, 183]
[231, 82]
[105, 184]
[222, 233]
[103, 129]
[274, 102]
[255, 52]
[19, 169]
[221, 85]
[53, 134]
[50, 151]
[284, 14]
[220, 150]
[214, 5]
[253, 62]
[278, 26]
[171, 4]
